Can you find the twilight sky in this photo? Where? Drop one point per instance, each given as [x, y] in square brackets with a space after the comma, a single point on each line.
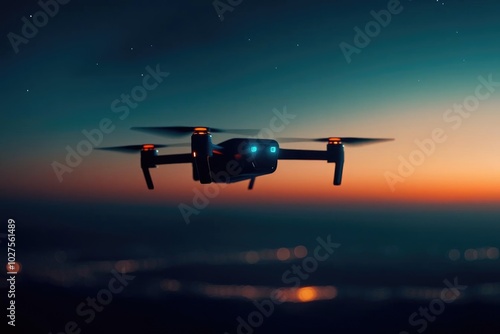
[409, 81]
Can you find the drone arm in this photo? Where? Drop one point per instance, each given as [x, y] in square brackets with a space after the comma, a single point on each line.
[147, 177]
[335, 154]
[337, 175]
[172, 159]
[149, 159]
[293, 154]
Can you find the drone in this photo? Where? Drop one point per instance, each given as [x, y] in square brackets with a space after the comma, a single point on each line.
[236, 159]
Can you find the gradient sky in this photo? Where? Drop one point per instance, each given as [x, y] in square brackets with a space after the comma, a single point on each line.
[233, 73]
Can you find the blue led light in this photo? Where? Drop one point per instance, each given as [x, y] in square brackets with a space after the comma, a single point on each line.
[253, 149]
[273, 149]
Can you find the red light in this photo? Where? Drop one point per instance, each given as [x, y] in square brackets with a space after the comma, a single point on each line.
[148, 147]
[335, 140]
[200, 131]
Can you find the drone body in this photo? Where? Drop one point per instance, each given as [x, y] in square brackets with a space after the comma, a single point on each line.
[236, 159]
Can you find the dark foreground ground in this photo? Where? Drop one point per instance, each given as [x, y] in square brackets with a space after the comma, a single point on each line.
[390, 271]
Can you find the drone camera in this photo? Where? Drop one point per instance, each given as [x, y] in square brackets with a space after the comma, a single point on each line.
[262, 154]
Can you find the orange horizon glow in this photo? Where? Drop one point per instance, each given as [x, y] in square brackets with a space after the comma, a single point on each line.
[286, 186]
[465, 169]
[294, 182]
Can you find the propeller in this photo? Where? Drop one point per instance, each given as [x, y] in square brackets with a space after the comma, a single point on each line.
[178, 131]
[345, 140]
[138, 148]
